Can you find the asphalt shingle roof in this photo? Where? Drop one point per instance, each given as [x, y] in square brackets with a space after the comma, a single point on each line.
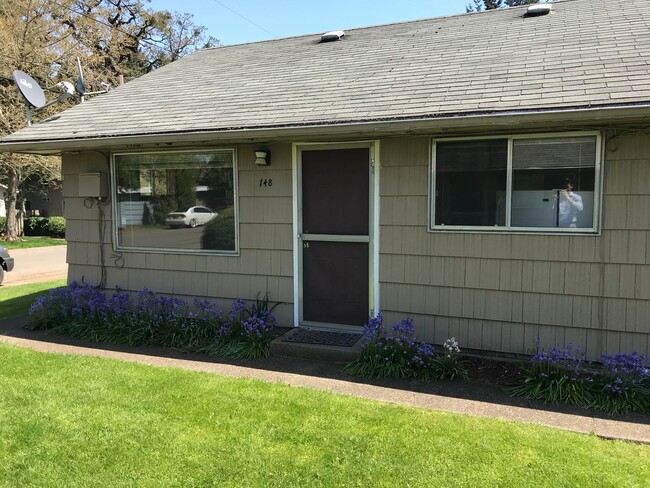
[587, 53]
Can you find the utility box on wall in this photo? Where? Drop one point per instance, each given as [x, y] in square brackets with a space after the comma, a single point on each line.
[93, 185]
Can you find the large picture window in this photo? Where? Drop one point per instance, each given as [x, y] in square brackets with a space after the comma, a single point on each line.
[177, 201]
[517, 183]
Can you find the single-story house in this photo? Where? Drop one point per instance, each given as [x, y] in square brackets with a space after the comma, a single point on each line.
[487, 174]
[45, 203]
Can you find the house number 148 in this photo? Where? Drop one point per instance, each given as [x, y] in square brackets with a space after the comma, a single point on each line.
[266, 182]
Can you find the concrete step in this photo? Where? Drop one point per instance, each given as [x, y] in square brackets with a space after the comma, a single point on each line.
[318, 352]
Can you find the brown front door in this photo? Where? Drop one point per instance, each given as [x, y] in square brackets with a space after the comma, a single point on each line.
[335, 236]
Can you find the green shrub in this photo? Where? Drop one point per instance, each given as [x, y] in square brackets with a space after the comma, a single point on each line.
[35, 226]
[3, 224]
[623, 384]
[449, 365]
[85, 312]
[219, 233]
[620, 385]
[392, 352]
[45, 226]
[248, 332]
[148, 319]
[56, 226]
[162, 206]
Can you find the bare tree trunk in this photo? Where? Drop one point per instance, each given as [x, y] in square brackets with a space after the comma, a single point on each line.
[20, 218]
[11, 231]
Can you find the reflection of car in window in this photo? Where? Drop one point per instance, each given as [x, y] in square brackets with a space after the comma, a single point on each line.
[190, 217]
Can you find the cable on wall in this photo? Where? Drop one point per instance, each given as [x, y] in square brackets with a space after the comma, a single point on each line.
[118, 259]
[101, 203]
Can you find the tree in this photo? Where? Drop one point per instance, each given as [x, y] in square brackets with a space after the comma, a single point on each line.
[23, 37]
[122, 38]
[114, 39]
[480, 5]
[177, 37]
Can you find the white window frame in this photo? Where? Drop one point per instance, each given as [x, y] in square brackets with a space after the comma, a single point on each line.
[507, 228]
[215, 252]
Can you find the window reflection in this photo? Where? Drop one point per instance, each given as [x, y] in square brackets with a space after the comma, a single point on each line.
[553, 182]
[179, 201]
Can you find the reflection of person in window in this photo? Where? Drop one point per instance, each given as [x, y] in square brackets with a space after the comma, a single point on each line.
[569, 205]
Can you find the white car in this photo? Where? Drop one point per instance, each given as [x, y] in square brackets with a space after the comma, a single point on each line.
[190, 217]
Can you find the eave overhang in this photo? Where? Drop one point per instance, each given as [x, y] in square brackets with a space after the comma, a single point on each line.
[446, 124]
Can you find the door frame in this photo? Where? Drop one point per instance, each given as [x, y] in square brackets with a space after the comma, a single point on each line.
[373, 244]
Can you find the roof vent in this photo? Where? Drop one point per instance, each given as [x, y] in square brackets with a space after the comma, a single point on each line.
[538, 9]
[332, 36]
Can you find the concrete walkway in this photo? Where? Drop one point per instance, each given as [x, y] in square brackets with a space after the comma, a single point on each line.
[476, 399]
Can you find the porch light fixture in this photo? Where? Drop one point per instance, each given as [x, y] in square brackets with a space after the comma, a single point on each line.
[262, 158]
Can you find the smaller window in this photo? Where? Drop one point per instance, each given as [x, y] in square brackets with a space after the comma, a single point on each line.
[471, 182]
[517, 183]
[553, 182]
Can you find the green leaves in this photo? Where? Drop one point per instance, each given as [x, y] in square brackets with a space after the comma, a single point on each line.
[619, 385]
[84, 312]
[393, 352]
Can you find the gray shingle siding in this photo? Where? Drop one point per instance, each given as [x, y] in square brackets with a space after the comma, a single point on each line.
[587, 53]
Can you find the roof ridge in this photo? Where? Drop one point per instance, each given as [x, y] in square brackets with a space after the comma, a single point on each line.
[375, 26]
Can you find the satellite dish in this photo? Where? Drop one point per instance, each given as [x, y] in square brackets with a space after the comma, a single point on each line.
[29, 88]
[33, 94]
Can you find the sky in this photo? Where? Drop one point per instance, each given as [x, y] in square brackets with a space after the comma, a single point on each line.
[285, 18]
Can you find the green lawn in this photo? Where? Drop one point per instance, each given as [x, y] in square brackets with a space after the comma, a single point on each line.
[81, 421]
[16, 300]
[27, 242]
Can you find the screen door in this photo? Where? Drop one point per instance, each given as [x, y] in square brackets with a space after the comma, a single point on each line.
[335, 236]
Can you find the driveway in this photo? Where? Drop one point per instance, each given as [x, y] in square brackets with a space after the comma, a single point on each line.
[37, 264]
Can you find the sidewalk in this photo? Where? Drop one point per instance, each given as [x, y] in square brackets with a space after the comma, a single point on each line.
[473, 398]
